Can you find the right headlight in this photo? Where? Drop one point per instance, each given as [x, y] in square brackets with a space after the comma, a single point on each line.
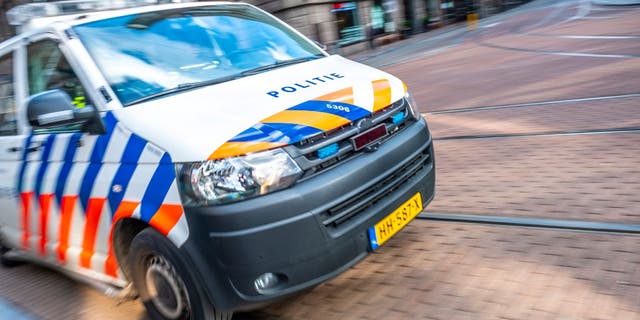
[236, 178]
[413, 107]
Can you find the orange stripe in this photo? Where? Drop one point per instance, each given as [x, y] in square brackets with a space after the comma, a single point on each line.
[320, 120]
[26, 211]
[345, 95]
[230, 149]
[166, 218]
[381, 94]
[67, 204]
[94, 210]
[125, 210]
[45, 205]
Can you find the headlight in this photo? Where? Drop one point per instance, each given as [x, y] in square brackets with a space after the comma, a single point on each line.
[236, 178]
[413, 107]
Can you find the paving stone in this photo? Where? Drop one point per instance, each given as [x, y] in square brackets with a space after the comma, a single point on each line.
[553, 278]
[564, 117]
[470, 75]
[584, 177]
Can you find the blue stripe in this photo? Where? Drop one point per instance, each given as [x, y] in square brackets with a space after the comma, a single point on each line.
[289, 133]
[96, 160]
[101, 143]
[129, 162]
[345, 110]
[44, 164]
[87, 183]
[292, 133]
[276, 132]
[251, 134]
[23, 164]
[157, 189]
[72, 147]
[133, 150]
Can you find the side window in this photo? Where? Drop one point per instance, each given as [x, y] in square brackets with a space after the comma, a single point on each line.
[48, 69]
[8, 120]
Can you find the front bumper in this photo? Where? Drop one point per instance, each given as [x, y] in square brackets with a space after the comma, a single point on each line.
[310, 232]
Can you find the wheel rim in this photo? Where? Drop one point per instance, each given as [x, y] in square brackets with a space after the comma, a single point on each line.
[166, 290]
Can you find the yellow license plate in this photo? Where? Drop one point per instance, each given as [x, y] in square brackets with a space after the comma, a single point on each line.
[391, 224]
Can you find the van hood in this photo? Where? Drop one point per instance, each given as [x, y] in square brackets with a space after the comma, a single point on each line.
[264, 111]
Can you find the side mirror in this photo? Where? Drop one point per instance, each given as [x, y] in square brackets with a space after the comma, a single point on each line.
[53, 108]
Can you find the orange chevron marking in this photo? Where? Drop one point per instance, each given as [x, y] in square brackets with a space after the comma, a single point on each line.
[94, 210]
[230, 149]
[45, 206]
[67, 205]
[344, 95]
[25, 198]
[381, 93]
[166, 218]
[320, 120]
[125, 210]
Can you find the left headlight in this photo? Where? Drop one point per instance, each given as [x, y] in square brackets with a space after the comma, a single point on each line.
[236, 178]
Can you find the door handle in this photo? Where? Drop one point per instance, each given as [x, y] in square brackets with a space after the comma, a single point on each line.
[34, 149]
[29, 149]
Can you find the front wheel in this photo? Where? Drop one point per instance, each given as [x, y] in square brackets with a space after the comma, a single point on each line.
[6, 261]
[166, 288]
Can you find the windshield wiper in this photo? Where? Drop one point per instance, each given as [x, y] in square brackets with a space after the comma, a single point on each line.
[280, 63]
[184, 87]
[193, 85]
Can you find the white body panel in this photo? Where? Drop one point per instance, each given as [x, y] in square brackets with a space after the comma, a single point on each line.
[191, 125]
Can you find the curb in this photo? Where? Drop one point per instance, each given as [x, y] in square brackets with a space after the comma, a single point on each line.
[10, 311]
[616, 2]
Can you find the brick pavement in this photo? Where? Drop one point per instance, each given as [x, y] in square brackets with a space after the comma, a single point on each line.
[591, 46]
[576, 116]
[626, 28]
[625, 24]
[495, 77]
[472, 75]
[431, 270]
[437, 270]
[586, 177]
[46, 294]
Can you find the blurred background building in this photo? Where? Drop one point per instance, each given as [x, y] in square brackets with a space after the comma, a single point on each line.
[349, 25]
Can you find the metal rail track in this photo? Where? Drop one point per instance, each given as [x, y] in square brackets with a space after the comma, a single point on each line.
[572, 225]
[558, 53]
[532, 104]
[542, 134]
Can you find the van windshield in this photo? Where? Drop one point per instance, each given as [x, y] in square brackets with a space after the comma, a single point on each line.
[148, 55]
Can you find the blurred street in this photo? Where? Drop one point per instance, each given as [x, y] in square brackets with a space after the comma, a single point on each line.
[535, 118]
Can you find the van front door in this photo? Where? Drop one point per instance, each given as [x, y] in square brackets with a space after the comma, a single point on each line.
[12, 224]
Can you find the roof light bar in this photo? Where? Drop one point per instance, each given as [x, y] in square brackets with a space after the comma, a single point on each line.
[22, 14]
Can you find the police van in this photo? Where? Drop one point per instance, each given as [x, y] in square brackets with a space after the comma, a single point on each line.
[205, 157]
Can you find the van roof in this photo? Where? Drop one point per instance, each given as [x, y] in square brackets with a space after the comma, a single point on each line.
[34, 16]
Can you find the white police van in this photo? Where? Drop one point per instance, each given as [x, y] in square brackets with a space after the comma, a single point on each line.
[207, 153]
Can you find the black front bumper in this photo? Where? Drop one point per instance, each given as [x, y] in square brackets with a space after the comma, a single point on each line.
[310, 232]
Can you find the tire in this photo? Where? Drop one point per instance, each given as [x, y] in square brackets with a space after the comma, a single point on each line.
[6, 261]
[166, 287]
